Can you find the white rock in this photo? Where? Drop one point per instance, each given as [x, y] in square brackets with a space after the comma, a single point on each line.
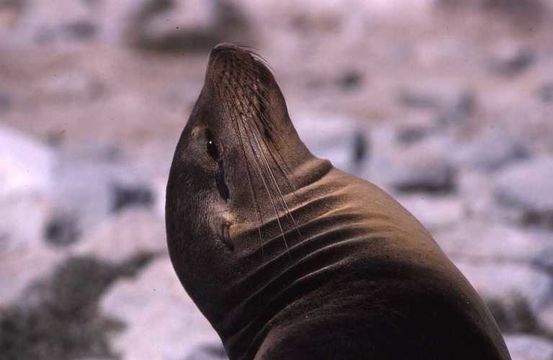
[161, 321]
[340, 139]
[476, 190]
[123, 236]
[527, 347]
[507, 283]
[545, 318]
[88, 183]
[479, 240]
[528, 187]
[434, 212]
[20, 269]
[489, 151]
[45, 22]
[25, 164]
[23, 219]
[422, 166]
[25, 181]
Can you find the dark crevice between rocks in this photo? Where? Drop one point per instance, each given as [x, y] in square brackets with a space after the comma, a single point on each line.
[229, 24]
[350, 80]
[62, 230]
[58, 317]
[523, 14]
[458, 113]
[208, 351]
[81, 30]
[516, 317]
[125, 196]
[444, 187]
[545, 93]
[538, 218]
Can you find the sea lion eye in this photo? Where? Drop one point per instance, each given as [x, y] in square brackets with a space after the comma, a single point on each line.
[211, 146]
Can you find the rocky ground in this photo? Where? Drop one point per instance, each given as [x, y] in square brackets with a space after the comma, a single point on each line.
[445, 104]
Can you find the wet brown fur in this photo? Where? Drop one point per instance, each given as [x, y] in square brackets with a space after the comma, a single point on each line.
[290, 258]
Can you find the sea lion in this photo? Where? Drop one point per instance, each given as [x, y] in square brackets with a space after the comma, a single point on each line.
[290, 258]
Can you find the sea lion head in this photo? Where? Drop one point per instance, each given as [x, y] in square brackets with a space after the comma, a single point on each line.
[237, 161]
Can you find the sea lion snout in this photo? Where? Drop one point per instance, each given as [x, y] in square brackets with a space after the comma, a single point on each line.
[229, 62]
[228, 48]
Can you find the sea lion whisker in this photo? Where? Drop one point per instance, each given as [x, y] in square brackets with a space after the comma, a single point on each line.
[256, 160]
[260, 96]
[271, 151]
[243, 107]
[285, 176]
[253, 135]
[260, 114]
[238, 133]
[275, 183]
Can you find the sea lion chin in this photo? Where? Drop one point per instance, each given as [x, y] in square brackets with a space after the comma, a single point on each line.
[290, 258]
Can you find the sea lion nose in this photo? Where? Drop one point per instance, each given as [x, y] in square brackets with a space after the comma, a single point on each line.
[224, 49]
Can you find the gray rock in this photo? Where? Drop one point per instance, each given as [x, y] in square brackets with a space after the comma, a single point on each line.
[155, 307]
[489, 151]
[5, 102]
[20, 269]
[152, 24]
[214, 351]
[546, 92]
[44, 24]
[70, 86]
[449, 103]
[511, 60]
[57, 317]
[545, 319]
[92, 183]
[340, 139]
[484, 241]
[82, 29]
[412, 133]
[25, 164]
[419, 167]
[459, 111]
[527, 188]
[526, 347]
[434, 212]
[25, 181]
[173, 25]
[434, 94]
[476, 190]
[515, 292]
[545, 258]
[521, 12]
[131, 195]
[136, 231]
[24, 217]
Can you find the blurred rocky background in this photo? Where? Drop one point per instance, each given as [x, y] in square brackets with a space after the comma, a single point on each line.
[447, 104]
